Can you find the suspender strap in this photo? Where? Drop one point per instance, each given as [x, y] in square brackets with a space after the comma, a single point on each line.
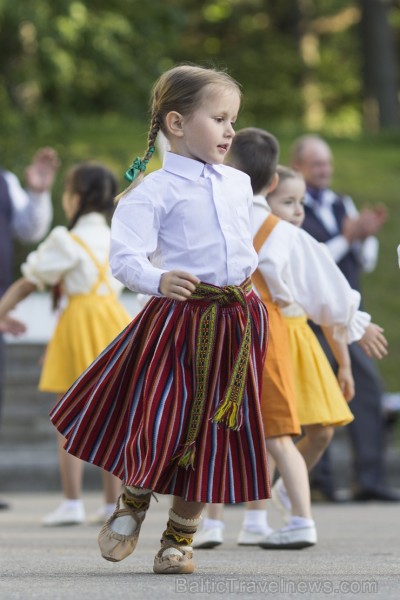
[102, 268]
[262, 234]
[259, 240]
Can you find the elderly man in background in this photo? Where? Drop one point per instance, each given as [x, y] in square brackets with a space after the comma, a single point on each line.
[349, 237]
[26, 216]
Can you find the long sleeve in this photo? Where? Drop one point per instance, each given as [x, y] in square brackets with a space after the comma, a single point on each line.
[134, 232]
[32, 213]
[60, 258]
[368, 252]
[57, 255]
[338, 247]
[299, 270]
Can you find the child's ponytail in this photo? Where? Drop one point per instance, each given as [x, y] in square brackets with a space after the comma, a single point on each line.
[135, 173]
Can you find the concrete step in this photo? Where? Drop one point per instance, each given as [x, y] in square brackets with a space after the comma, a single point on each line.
[34, 467]
[25, 412]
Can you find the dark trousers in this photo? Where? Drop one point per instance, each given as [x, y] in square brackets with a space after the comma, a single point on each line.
[367, 431]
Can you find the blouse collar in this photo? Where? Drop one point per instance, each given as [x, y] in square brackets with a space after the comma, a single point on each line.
[188, 167]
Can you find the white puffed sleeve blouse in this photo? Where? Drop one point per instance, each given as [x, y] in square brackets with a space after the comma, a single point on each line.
[302, 276]
[59, 259]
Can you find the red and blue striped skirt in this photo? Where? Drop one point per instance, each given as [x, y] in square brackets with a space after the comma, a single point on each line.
[129, 412]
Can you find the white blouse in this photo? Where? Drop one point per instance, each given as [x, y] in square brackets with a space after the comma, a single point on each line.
[301, 274]
[188, 216]
[60, 259]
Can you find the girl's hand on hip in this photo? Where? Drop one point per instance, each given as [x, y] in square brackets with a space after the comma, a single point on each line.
[178, 285]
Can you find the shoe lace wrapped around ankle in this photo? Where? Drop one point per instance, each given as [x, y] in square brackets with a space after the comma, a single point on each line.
[175, 537]
[136, 503]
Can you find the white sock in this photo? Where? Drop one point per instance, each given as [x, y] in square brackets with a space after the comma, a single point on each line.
[256, 521]
[126, 525]
[213, 524]
[183, 520]
[299, 522]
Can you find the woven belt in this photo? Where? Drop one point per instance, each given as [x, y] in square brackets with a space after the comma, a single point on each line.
[227, 411]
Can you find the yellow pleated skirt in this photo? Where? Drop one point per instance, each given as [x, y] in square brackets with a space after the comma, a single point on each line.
[86, 327]
[318, 395]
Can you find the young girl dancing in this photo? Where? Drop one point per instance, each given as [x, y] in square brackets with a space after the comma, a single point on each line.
[172, 405]
[74, 260]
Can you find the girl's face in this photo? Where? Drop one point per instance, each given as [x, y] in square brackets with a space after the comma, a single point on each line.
[287, 201]
[70, 204]
[207, 134]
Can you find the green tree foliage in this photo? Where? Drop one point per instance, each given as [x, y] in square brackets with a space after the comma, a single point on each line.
[299, 60]
[75, 56]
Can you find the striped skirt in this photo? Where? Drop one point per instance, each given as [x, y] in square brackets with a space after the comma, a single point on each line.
[129, 412]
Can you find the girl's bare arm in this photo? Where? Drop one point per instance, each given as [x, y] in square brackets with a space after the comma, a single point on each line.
[19, 290]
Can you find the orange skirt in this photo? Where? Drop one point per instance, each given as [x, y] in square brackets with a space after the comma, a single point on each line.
[278, 399]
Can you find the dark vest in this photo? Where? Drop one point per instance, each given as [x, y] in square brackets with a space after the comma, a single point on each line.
[349, 264]
[6, 243]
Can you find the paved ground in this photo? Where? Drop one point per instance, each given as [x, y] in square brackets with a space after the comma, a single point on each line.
[357, 556]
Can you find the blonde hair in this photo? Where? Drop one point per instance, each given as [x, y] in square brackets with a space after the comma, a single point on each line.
[179, 89]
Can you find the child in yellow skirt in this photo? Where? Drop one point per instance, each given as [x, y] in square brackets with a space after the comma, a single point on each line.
[74, 260]
[321, 397]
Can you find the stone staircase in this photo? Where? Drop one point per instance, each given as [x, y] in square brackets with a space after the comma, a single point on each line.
[28, 450]
[28, 453]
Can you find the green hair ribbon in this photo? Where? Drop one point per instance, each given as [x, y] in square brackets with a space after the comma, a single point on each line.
[139, 166]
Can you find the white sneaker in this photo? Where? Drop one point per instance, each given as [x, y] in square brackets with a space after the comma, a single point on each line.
[250, 538]
[65, 515]
[290, 539]
[208, 538]
[281, 500]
